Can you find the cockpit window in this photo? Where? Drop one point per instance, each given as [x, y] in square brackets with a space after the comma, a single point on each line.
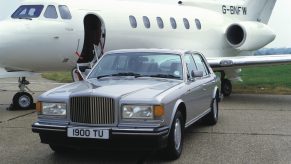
[65, 12]
[28, 11]
[51, 12]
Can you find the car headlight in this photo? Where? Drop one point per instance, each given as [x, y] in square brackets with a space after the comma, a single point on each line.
[56, 109]
[142, 111]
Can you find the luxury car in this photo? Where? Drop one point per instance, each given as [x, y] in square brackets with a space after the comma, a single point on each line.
[141, 98]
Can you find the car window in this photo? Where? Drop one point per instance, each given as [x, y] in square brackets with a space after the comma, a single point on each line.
[190, 65]
[143, 63]
[28, 11]
[201, 64]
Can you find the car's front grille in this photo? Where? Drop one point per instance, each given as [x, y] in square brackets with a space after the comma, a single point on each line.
[92, 110]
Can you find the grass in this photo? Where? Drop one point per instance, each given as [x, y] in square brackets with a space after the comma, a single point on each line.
[61, 77]
[260, 80]
[264, 80]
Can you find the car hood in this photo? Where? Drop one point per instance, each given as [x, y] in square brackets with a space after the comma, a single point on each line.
[133, 88]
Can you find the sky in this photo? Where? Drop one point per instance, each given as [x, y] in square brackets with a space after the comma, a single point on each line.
[280, 20]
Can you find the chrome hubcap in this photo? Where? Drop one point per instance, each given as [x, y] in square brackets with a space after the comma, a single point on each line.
[177, 134]
[24, 101]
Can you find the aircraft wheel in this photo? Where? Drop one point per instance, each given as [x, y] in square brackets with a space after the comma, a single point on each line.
[22, 100]
[226, 87]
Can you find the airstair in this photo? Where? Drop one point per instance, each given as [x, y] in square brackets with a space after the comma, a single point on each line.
[83, 69]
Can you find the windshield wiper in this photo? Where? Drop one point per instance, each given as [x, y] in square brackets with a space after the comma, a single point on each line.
[166, 76]
[121, 74]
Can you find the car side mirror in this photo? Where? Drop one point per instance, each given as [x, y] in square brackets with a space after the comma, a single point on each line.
[195, 74]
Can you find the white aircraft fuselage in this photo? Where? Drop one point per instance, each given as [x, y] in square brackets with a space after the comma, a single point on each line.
[43, 44]
[60, 35]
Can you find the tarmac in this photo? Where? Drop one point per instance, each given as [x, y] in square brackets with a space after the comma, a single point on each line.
[251, 129]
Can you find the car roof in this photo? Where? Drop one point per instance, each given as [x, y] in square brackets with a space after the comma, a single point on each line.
[149, 50]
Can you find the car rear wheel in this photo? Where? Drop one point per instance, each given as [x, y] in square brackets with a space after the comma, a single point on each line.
[212, 117]
[175, 139]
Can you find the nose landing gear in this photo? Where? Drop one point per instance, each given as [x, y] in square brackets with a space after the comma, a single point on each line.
[22, 99]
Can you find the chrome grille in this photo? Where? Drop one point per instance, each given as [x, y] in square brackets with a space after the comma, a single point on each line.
[92, 110]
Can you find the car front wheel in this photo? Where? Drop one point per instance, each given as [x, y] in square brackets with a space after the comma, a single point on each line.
[175, 140]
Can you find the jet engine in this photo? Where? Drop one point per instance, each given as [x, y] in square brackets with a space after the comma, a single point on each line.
[249, 36]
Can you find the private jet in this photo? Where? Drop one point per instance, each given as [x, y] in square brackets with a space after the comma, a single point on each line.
[58, 35]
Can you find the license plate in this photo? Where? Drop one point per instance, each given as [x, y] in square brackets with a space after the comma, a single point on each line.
[84, 132]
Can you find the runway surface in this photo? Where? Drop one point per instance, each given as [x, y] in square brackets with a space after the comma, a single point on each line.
[251, 129]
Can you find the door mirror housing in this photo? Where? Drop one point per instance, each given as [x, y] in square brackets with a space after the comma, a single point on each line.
[195, 74]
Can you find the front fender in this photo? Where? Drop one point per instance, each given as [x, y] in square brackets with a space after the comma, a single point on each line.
[175, 108]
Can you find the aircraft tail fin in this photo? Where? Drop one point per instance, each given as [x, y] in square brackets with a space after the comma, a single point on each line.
[260, 10]
[245, 10]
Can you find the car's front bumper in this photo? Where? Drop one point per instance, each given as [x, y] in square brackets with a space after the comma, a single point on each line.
[120, 137]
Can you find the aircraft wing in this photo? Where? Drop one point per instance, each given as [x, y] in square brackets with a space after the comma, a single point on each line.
[223, 63]
[6, 74]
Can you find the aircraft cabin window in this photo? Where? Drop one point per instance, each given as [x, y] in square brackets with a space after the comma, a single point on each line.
[173, 23]
[198, 24]
[186, 23]
[51, 12]
[146, 22]
[160, 22]
[28, 11]
[65, 12]
[132, 21]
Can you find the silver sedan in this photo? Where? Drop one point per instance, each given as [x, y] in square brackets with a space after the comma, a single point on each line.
[131, 98]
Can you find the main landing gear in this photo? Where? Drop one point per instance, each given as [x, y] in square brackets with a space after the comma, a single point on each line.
[22, 99]
[226, 86]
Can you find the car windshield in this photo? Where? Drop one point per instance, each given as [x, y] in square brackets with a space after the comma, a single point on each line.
[28, 11]
[139, 64]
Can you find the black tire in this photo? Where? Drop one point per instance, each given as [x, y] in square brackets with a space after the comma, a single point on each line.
[22, 100]
[60, 149]
[212, 117]
[226, 87]
[175, 138]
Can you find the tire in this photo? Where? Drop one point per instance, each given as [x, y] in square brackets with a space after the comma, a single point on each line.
[212, 117]
[175, 138]
[226, 87]
[22, 100]
[60, 149]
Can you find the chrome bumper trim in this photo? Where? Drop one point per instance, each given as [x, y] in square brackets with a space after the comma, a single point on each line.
[39, 128]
